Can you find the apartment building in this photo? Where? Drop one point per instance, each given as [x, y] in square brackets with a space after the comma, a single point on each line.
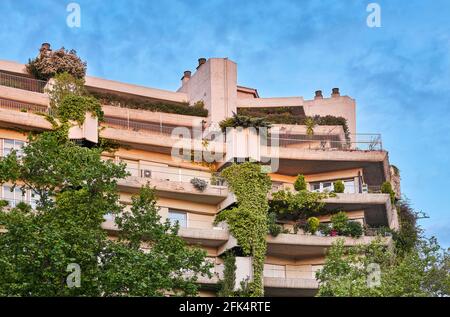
[148, 142]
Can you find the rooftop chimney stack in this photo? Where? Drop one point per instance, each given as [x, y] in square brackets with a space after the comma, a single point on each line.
[318, 94]
[45, 47]
[186, 76]
[335, 92]
[201, 61]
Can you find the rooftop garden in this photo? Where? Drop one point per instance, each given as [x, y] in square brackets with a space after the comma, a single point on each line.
[132, 102]
[285, 115]
[50, 63]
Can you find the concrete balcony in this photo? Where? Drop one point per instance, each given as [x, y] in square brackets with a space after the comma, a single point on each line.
[295, 246]
[176, 189]
[207, 237]
[155, 140]
[290, 287]
[378, 210]
[23, 120]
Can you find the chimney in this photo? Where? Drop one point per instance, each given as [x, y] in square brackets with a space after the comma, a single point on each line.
[335, 92]
[318, 94]
[45, 47]
[201, 61]
[186, 76]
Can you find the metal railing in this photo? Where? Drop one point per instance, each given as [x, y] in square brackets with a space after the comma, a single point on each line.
[326, 143]
[139, 125]
[21, 82]
[214, 183]
[21, 106]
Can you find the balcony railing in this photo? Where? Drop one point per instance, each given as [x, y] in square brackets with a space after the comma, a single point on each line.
[215, 183]
[21, 82]
[21, 106]
[141, 126]
[358, 142]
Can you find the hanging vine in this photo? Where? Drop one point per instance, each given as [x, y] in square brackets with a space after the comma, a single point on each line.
[248, 221]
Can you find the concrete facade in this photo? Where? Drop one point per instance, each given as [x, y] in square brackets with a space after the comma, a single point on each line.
[147, 142]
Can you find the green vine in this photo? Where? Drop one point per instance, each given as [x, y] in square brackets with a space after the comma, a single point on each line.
[226, 285]
[248, 221]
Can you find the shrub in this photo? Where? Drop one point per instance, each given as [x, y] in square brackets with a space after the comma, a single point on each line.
[300, 183]
[386, 188]
[50, 63]
[243, 121]
[312, 224]
[199, 184]
[324, 228]
[339, 186]
[354, 229]
[142, 103]
[339, 222]
[274, 228]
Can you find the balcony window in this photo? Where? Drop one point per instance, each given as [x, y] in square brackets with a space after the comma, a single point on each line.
[175, 216]
[9, 145]
[328, 186]
[13, 197]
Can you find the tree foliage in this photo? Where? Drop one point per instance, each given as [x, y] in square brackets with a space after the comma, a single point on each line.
[424, 271]
[77, 189]
[50, 63]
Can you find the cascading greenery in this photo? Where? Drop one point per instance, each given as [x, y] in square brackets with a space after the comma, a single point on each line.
[229, 275]
[248, 220]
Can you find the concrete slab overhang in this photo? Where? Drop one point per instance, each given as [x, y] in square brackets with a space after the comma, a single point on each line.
[23, 120]
[155, 141]
[290, 287]
[175, 190]
[194, 236]
[297, 246]
[292, 162]
[377, 207]
[24, 96]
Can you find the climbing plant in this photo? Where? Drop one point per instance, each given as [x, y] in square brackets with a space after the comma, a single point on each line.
[69, 100]
[248, 220]
[226, 285]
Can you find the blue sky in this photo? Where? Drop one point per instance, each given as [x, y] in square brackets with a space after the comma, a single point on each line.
[399, 74]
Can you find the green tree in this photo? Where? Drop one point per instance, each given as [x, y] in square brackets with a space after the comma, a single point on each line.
[76, 189]
[300, 183]
[423, 271]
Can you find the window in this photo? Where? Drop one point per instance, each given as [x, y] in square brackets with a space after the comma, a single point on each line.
[349, 186]
[328, 186]
[178, 216]
[10, 145]
[13, 197]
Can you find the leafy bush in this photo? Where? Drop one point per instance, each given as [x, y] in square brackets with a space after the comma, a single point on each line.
[339, 222]
[274, 228]
[244, 122]
[386, 188]
[354, 229]
[277, 115]
[73, 107]
[65, 84]
[300, 183]
[50, 63]
[199, 183]
[312, 224]
[339, 186]
[144, 103]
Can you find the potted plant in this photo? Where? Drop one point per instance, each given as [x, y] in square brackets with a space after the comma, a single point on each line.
[199, 184]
